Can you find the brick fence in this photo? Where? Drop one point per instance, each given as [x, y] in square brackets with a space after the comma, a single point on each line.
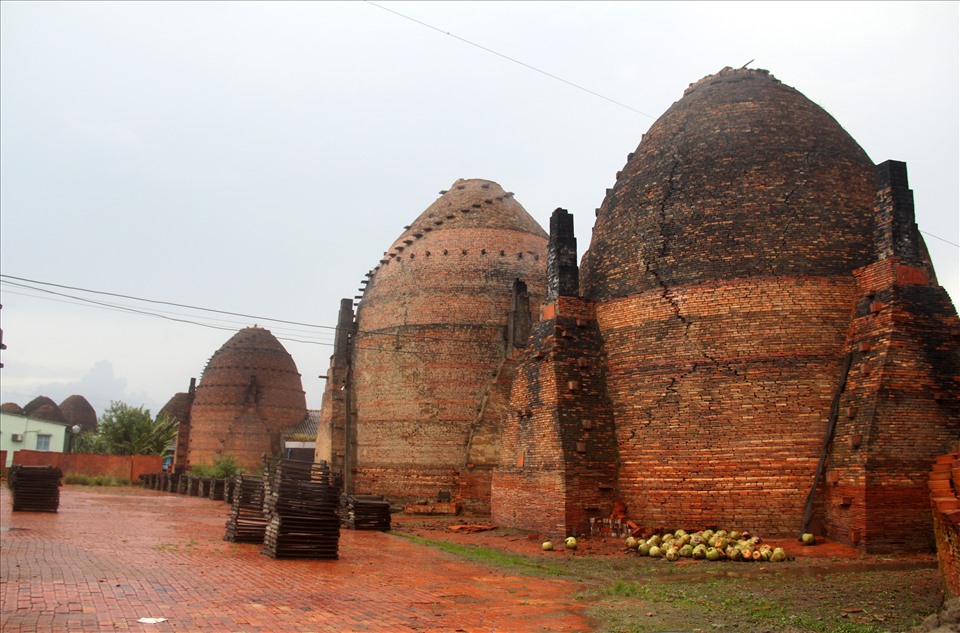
[118, 466]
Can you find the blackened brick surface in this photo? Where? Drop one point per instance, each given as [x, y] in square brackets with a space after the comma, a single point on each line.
[743, 177]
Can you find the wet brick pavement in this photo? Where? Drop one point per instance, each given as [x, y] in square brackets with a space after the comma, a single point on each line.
[113, 555]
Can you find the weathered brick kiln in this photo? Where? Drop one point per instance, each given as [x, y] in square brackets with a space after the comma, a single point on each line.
[756, 312]
[249, 392]
[757, 308]
[426, 366]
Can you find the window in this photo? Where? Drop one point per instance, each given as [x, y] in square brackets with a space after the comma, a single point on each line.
[43, 442]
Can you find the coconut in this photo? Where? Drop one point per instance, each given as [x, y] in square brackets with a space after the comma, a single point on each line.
[713, 554]
[765, 554]
[644, 549]
[631, 543]
[679, 533]
[721, 533]
[668, 538]
[747, 553]
[656, 552]
[654, 540]
[570, 543]
[808, 539]
[700, 551]
[758, 555]
[547, 546]
[733, 553]
[672, 554]
[686, 551]
[706, 534]
[778, 555]
[721, 543]
[735, 536]
[696, 539]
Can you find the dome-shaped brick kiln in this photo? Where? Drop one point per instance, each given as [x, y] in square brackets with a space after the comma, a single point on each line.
[249, 392]
[432, 352]
[765, 321]
[78, 410]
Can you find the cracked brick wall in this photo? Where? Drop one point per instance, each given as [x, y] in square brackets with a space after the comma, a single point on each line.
[743, 177]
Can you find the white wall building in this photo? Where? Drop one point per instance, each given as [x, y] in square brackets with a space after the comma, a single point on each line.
[19, 432]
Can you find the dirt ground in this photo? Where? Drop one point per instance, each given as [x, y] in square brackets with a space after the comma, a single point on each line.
[113, 555]
[824, 587]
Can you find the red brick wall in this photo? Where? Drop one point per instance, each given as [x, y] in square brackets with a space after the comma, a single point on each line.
[558, 460]
[721, 392]
[945, 496]
[901, 405]
[118, 466]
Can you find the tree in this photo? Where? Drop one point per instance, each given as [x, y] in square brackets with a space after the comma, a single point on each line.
[125, 430]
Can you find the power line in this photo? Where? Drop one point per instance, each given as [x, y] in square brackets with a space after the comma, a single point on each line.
[512, 59]
[120, 308]
[406, 337]
[169, 303]
[937, 237]
[5, 279]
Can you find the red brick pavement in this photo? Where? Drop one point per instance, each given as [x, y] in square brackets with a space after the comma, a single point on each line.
[113, 555]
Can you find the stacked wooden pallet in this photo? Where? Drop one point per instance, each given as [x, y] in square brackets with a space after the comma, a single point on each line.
[365, 512]
[301, 501]
[35, 488]
[247, 523]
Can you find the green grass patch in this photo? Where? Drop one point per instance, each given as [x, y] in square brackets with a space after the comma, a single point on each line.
[79, 479]
[498, 558]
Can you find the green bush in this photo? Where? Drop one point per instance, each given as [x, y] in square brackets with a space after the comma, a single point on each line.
[224, 468]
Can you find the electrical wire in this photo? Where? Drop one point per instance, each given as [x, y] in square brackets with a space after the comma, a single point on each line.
[937, 237]
[169, 303]
[5, 280]
[405, 338]
[511, 59]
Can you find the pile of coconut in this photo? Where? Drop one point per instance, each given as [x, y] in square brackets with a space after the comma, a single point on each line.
[708, 545]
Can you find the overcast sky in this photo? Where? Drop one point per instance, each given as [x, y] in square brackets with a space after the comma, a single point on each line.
[258, 158]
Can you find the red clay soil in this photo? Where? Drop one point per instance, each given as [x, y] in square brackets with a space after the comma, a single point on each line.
[528, 543]
[113, 555]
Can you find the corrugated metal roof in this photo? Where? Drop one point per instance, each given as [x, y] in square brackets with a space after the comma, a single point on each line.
[307, 427]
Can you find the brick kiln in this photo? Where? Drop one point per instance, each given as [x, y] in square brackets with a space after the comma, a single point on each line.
[756, 312]
[426, 365]
[248, 394]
